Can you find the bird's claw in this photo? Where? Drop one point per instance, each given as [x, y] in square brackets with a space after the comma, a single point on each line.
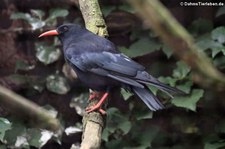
[94, 95]
[93, 108]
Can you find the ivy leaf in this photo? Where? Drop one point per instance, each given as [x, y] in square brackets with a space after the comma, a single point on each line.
[220, 12]
[20, 15]
[18, 129]
[72, 130]
[201, 26]
[21, 142]
[207, 43]
[118, 119]
[144, 115]
[22, 65]
[168, 80]
[3, 147]
[146, 137]
[218, 34]
[34, 136]
[141, 47]
[126, 95]
[167, 50]
[186, 87]
[190, 101]
[125, 126]
[215, 145]
[57, 84]
[181, 71]
[38, 13]
[47, 54]
[34, 22]
[4, 126]
[56, 12]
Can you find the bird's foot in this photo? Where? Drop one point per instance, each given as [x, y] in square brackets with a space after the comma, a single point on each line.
[93, 108]
[98, 105]
[94, 95]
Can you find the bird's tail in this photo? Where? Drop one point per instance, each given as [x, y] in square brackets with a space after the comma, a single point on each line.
[163, 87]
[148, 98]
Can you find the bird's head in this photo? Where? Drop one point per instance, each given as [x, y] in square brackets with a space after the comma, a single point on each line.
[64, 31]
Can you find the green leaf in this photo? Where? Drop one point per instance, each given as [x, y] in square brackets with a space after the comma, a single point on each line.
[38, 13]
[141, 47]
[205, 42]
[57, 84]
[190, 101]
[220, 12]
[201, 26]
[146, 137]
[125, 126]
[22, 65]
[57, 12]
[144, 115]
[17, 129]
[215, 145]
[168, 80]
[116, 118]
[186, 87]
[34, 136]
[34, 22]
[218, 34]
[181, 71]
[47, 54]
[37, 24]
[37, 137]
[167, 50]
[4, 126]
[3, 147]
[105, 135]
[20, 15]
[126, 95]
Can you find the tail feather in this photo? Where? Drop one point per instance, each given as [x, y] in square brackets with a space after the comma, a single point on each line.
[163, 87]
[148, 98]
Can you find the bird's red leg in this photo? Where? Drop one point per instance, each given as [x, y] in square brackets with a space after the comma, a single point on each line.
[94, 95]
[98, 105]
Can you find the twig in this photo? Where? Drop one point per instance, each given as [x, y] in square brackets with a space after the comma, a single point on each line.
[93, 122]
[21, 106]
[182, 43]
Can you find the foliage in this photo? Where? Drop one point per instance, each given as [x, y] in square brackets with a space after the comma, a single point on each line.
[193, 119]
[35, 17]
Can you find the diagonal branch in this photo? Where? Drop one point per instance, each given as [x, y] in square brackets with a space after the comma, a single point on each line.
[21, 106]
[182, 43]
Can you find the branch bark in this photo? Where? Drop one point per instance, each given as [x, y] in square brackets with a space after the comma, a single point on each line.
[181, 42]
[21, 106]
[93, 123]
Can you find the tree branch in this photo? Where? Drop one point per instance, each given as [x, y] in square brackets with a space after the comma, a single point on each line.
[21, 106]
[182, 43]
[93, 122]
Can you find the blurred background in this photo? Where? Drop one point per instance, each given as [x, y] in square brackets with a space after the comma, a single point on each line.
[35, 68]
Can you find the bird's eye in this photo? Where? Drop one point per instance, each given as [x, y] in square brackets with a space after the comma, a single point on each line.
[65, 28]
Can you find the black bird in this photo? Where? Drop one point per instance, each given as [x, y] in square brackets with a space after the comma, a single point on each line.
[100, 66]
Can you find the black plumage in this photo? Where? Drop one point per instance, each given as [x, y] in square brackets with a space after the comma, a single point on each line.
[101, 67]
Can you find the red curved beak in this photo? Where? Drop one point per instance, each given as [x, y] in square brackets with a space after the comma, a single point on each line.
[49, 33]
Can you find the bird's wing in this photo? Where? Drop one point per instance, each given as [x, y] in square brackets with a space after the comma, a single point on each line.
[114, 65]
[119, 67]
